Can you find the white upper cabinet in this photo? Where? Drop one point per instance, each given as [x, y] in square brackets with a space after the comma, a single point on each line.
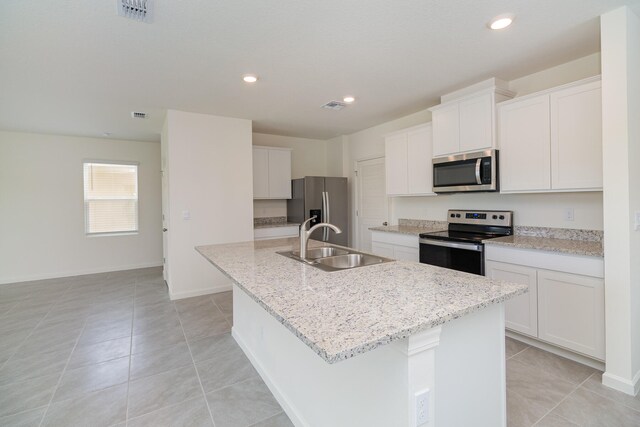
[552, 141]
[271, 173]
[465, 121]
[525, 153]
[408, 162]
[576, 137]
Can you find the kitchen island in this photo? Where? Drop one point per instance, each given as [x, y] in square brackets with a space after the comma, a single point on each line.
[391, 344]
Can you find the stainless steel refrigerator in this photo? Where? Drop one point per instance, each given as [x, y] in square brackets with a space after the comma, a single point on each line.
[325, 197]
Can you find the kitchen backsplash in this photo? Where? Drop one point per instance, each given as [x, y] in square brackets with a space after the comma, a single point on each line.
[422, 223]
[270, 220]
[559, 233]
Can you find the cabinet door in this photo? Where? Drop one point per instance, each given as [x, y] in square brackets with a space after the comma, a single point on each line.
[404, 253]
[279, 174]
[576, 137]
[571, 311]
[260, 173]
[521, 313]
[476, 123]
[383, 249]
[446, 130]
[419, 166]
[525, 159]
[395, 149]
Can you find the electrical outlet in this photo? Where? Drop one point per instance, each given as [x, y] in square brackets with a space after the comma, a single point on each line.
[422, 407]
[186, 215]
[637, 224]
[568, 214]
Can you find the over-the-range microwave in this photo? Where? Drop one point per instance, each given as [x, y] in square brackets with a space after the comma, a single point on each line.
[477, 171]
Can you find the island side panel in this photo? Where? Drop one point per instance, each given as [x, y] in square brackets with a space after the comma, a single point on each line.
[470, 370]
[369, 389]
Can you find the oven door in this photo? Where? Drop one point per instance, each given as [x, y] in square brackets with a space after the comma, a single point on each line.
[468, 257]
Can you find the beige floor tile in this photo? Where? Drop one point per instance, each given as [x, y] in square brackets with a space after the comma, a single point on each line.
[513, 347]
[80, 381]
[155, 362]
[594, 384]
[192, 413]
[149, 394]
[101, 352]
[536, 385]
[99, 332]
[225, 368]
[30, 394]
[102, 408]
[242, 404]
[553, 420]
[30, 418]
[157, 340]
[589, 409]
[21, 368]
[209, 347]
[553, 365]
[522, 412]
[279, 420]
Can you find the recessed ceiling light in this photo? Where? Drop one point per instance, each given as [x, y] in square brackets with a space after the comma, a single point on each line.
[501, 21]
[348, 99]
[107, 133]
[250, 78]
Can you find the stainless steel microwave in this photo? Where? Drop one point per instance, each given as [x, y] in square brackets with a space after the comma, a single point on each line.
[476, 171]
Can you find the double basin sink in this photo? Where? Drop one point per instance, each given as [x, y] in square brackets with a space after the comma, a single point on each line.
[330, 258]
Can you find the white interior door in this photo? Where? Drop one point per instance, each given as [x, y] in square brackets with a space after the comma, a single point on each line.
[372, 207]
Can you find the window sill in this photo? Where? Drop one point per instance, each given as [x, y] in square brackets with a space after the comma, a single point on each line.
[112, 234]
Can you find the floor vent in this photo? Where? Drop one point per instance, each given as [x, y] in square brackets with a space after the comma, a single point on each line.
[138, 115]
[334, 105]
[140, 10]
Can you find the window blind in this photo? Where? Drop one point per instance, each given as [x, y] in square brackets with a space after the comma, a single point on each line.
[110, 197]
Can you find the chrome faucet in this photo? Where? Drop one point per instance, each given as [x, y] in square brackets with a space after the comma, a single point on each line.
[304, 234]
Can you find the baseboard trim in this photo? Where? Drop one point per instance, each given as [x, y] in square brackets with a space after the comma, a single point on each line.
[630, 387]
[198, 292]
[286, 405]
[61, 274]
[596, 364]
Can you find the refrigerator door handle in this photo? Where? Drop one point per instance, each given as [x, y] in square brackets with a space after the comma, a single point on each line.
[325, 215]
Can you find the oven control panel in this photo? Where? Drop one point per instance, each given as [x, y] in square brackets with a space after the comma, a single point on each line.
[498, 218]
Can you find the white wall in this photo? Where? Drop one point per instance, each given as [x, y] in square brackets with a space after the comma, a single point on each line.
[210, 175]
[532, 209]
[42, 207]
[620, 33]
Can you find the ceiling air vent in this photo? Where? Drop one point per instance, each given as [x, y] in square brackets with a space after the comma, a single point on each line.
[138, 115]
[140, 10]
[334, 105]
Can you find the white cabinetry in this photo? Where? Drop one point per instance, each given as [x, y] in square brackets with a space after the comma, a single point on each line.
[565, 303]
[271, 173]
[552, 141]
[398, 246]
[465, 121]
[408, 162]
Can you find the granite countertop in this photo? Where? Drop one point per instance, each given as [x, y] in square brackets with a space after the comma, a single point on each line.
[567, 246]
[407, 229]
[345, 313]
[283, 224]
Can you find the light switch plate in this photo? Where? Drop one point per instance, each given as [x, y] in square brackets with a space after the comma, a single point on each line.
[637, 222]
[186, 215]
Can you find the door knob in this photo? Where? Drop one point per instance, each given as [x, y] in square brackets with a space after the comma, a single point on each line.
[385, 223]
[164, 229]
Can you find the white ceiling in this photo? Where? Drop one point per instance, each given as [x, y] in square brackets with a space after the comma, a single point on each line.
[75, 67]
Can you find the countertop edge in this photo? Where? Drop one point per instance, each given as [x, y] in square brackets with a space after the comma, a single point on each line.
[547, 247]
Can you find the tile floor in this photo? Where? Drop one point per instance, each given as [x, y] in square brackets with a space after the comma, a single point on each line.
[111, 349]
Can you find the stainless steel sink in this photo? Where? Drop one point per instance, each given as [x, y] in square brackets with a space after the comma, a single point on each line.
[329, 258]
[323, 252]
[350, 261]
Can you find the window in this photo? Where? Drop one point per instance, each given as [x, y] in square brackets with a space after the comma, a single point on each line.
[110, 197]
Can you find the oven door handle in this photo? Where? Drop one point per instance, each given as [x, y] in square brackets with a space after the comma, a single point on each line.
[478, 177]
[455, 245]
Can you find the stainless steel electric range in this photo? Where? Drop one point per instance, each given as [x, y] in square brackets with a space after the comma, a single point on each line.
[460, 247]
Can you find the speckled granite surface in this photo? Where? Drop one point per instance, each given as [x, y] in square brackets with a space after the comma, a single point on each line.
[413, 226]
[284, 224]
[270, 221]
[575, 247]
[345, 313]
[559, 233]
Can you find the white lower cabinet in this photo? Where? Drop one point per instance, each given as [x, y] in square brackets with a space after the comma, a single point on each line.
[565, 302]
[402, 247]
